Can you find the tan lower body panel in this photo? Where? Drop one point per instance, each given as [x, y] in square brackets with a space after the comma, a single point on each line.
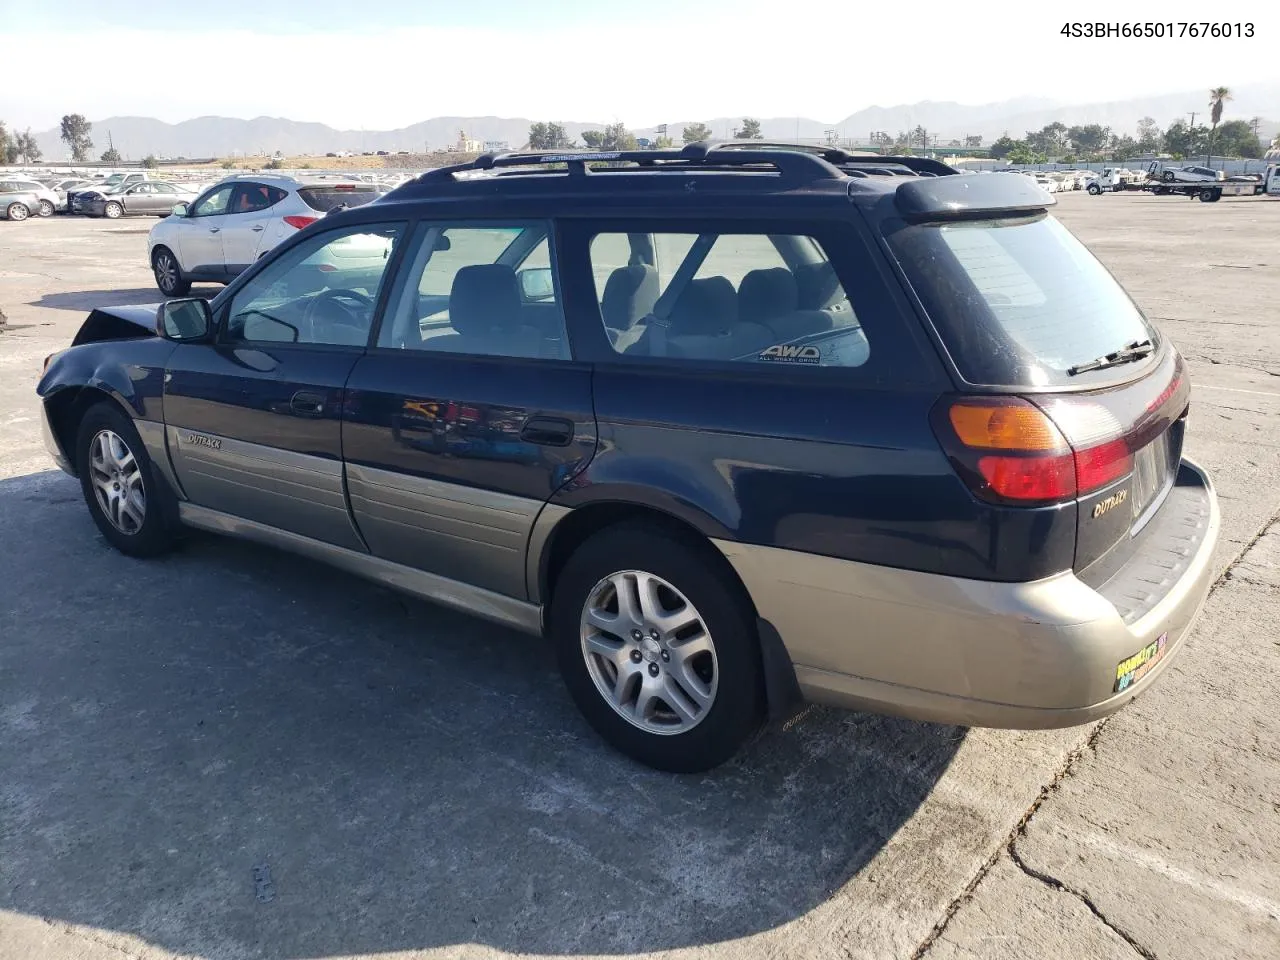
[952, 650]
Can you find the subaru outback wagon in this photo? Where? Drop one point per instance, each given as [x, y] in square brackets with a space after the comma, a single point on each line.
[734, 426]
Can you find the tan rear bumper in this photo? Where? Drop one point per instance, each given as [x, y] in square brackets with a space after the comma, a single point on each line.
[971, 652]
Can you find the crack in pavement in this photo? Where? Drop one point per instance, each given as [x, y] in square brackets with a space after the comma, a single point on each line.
[1056, 884]
[1069, 766]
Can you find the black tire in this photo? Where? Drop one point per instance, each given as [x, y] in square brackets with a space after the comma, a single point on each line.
[170, 281]
[17, 211]
[737, 709]
[157, 534]
[1095, 190]
[45, 209]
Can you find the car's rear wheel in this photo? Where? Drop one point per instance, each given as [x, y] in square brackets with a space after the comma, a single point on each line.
[168, 273]
[658, 648]
[17, 211]
[1168, 176]
[113, 210]
[119, 488]
[45, 209]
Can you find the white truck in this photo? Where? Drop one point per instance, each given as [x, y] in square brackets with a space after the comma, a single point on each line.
[1113, 179]
[1201, 183]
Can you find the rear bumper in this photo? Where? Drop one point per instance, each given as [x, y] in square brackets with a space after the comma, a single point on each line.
[1050, 653]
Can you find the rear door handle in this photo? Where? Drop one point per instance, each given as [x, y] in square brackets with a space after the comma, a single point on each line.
[307, 404]
[257, 229]
[548, 431]
[214, 229]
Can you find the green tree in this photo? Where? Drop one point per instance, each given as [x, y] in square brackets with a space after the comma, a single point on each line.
[111, 155]
[919, 135]
[228, 164]
[663, 143]
[973, 142]
[1124, 148]
[28, 149]
[750, 130]
[1090, 139]
[1218, 98]
[75, 134]
[1022, 153]
[615, 136]
[548, 136]
[695, 132]
[6, 143]
[1236, 139]
[151, 163]
[1001, 148]
[1182, 141]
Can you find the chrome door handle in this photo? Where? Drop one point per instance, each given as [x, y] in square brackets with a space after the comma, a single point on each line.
[214, 229]
[258, 228]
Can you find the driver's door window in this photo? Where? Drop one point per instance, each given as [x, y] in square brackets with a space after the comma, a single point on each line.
[322, 291]
[213, 204]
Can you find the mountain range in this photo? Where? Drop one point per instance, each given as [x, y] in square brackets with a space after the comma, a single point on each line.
[135, 137]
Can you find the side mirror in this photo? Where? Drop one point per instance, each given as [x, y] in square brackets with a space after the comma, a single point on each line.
[179, 210]
[184, 320]
[536, 284]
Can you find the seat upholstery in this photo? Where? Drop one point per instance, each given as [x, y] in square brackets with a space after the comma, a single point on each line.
[485, 311]
[766, 295]
[630, 294]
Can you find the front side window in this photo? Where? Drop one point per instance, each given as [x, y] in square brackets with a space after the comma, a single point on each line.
[322, 291]
[485, 290]
[737, 297]
[213, 203]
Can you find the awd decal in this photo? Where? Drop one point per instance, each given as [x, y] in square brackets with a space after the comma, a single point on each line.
[789, 353]
[1109, 503]
[200, 440]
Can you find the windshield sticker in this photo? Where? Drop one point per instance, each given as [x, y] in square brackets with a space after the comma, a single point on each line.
[790, 353]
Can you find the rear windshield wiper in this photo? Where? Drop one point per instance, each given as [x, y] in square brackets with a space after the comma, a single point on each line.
[1126, 354]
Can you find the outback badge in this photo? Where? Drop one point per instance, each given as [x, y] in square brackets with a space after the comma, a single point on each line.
[200, 440]
[1109, 503]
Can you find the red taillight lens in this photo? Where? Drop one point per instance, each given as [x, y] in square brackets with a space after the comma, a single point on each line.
[298, 222]
[1010, 450]
[1030, 478]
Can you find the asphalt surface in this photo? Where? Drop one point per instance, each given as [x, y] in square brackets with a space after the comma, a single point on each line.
[233, 753]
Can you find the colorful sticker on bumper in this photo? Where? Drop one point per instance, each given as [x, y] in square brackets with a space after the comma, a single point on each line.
[1133, 669]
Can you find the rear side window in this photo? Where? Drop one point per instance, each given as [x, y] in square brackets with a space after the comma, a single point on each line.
[254, 197]
[326, 198]
[1017, 302]
[737, 297]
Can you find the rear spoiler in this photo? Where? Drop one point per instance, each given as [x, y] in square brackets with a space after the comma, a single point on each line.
[969, 198]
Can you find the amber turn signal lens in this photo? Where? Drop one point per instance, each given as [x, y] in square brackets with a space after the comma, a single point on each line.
[1015, 425]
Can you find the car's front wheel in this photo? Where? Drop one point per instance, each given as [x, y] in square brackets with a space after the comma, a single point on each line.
[113, 211]
[118, 486]
[658, 648]
[168, 273]
[17, 211]
[1094, 189]
[45, 209]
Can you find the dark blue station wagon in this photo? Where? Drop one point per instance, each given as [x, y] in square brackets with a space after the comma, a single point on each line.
[734, 426]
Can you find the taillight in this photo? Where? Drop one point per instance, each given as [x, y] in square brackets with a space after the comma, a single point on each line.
[1009, 450]
[298, 222]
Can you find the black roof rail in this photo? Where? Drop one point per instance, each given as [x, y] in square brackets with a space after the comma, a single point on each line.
[797, 166]
[840, 158]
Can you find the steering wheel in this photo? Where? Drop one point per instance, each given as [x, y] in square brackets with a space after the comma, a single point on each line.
[345, 316]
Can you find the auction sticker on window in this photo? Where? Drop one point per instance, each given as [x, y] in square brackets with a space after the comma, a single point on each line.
[1132, 669]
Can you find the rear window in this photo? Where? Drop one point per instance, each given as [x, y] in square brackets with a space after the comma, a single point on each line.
[1018, 302]
[327, 198]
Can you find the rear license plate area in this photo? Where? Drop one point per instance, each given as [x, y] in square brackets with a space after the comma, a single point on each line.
[1152, 469]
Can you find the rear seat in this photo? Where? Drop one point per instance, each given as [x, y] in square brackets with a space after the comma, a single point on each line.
[772, 298]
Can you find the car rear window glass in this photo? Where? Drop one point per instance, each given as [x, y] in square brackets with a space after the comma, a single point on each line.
[1017, 302]
[326, 198]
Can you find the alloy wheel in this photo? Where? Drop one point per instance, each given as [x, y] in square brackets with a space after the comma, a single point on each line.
[166, 273]
[117, 482]
[649, 652]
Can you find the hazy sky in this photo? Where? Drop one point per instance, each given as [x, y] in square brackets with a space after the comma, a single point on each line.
[390, 63]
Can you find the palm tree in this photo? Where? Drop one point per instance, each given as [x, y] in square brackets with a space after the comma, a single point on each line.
[1218, 96]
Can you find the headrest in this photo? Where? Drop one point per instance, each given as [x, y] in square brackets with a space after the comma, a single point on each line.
[706, 306]
[484, 297]
[629, 295]
[767, 294]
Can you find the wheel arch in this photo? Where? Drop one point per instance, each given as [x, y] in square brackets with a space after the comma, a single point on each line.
[65, 409]
[569, 529]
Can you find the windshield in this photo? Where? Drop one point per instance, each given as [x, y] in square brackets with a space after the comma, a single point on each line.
[1018, 302]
